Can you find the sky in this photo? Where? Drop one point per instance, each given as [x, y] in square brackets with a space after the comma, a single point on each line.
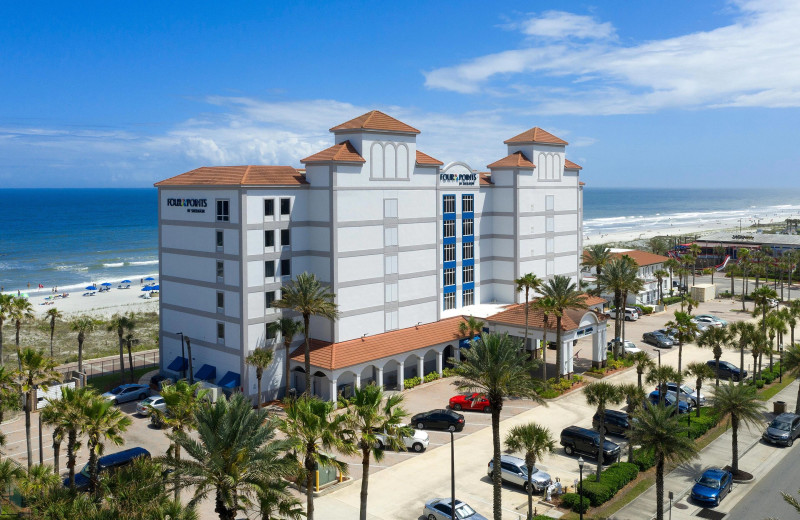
[678, 94]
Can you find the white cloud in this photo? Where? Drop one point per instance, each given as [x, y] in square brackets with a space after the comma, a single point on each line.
[751, 62]
[560, 25]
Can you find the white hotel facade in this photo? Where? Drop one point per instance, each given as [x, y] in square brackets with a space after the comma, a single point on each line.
[406, 243]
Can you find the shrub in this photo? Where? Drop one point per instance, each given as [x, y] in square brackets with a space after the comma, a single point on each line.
[448, 372]
[643, 460]
[672, 299]
[598, 493]
[575, 502]
[412, 382]
[768, 377]
[577, 379]
[759, 383]
[433, 376]
[644, 309]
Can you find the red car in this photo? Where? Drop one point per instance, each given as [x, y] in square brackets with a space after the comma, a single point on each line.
[474, 401]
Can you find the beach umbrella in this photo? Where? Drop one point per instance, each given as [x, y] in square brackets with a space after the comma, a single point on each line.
[125, 281]
[106, 284]
[147, 288]
[91, 288]
[155, 287]
[149, 278]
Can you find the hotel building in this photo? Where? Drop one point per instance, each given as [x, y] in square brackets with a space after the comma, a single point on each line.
[407, 244]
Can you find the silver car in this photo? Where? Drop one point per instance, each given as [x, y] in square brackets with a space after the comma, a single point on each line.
[440, 509]
[153, 402]
[125, 393]
[513, 470]
[687, 394]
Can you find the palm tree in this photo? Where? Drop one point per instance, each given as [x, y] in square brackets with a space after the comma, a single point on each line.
[275, 500]
[306, 295]
[535, 441]
[661, 375]
[10, 472]
[642, 362]
[700, 372]
[686, 331]
[742, 404]
[618, 278]
[9, 391]
[312, 429]
[634, 397]
[527, 282]
[761, 299]
[58, 418]
[370, 415]
[658, 245]
[101, 422]
[742, 334]
[288, 329]
[695, 251]
[743, 255]
[470, 327]
[129, 339]
[71, 406]
[601, 394]
[235, 452]
[633, 284]
[546, 306]
[662, 435]
[21, 310]
[37, 371]
[776, 326]
[496, 368]
[660, 274]
[565, 295]
[36, 483]
[83, 325]
[672, 265]
[52, 315]
[597, 256]
[791, 364]
[122, 324]
[6, 302]
[261, 358]
[714, 338]
[731, 269]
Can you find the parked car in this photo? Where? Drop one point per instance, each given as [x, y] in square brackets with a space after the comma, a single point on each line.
[727, 370]
[152, 402]
[713, 318]
[617, 422]
[657, 339]
[581, 440]
[630, 314]
[670, 400]
[418, 441]
[440, 419]
[514, 471]
[783, 429]
[708, 321]
[701, 326]
[772, 302]
[678, 286]
[125, 393]
[712, 486]
[440, 509]
[687, 393]
[105, 464]
[474, 401]
[628, 346]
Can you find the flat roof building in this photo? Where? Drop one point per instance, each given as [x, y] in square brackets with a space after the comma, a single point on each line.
[406, 243]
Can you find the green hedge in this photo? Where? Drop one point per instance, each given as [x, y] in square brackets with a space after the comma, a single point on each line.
[699, 425]
[433, 376]
[643, 459]
[759, 383]
[644, 309]
[669, 300]
[412, 382]
[447, 372]
[574, 502]
[614, 478]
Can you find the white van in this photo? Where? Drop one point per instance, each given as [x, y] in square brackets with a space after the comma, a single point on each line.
[631, 314]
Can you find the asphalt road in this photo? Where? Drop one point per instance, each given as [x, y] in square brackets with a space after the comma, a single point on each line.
[764, 500]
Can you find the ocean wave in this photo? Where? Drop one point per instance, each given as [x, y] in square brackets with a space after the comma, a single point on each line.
[144, 262]
[114, 264]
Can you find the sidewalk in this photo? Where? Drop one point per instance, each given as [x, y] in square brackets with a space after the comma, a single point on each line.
[754, 457]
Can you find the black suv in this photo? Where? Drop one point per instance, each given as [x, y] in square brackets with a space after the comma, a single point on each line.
[580, 440]
[616, 422]
[727, 370]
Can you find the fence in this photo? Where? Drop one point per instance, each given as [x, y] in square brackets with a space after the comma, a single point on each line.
[111, 365]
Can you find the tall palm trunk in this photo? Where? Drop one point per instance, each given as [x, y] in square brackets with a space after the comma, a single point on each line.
[735, 444]
[617, 299]
[80, 352]
[176, 450]
[680, 354]
[189, 360]
[259, 375]
[559, 350]
[224, 512]
[602, 443]
[497, 504]
[1, 341]
[52, 333]
[744, 287]
[544, 351]
[365, 449]
[28, 405]
[525, 345]
[310, 472]
[307, 360]
[94, 470]
[72, 441]
[741, 364]
[57, 433]
[530, 491]
[130, 359]
[120, 332]
[286, 372]
[660, 488]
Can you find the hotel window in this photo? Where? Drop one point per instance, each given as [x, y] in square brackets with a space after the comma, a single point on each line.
[468, 298]
[286, 267]
[467, 251]
[269, 268]
[468, 274]
[390, 237]
[449, 204]
[550, 202]
[391, 264]
[466, 227]
[220, 301]
[550, 245]
[220, 239]
[449, 253]
[220, 270]
[390, 208]
[269, 298]
[223, 211]
[467, 203]
[551, 225]
[269, 238]
[270, 332]
[269, 207]
[286, 205]
[449, 301]
[449, 228]
[550, 267]
[450, 276]
[392, 320]
[286, 237]
[391, 292]
[220, 332]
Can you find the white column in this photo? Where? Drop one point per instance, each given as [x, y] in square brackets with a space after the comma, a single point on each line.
[334, 397]
[380, 377]
[439, 356]
[421, 367]
[401, 375]
[567, 359]
[358, 381]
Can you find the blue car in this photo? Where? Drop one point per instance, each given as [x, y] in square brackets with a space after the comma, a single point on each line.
[106, 464]
[669, 400]
[712, 486]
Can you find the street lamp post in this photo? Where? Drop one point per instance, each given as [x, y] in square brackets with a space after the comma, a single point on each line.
[659, 358]
[183, 356]
[452, 478]
[671, 496]
[580, 489]
[780, 367]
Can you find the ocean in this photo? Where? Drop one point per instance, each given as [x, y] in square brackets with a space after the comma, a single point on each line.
[72, 237]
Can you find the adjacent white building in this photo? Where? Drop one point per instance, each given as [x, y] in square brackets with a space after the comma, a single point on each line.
[402, 239]
[648, 264]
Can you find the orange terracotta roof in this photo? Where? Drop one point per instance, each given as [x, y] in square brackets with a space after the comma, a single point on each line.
[376, 120]
[535, 135]
[423, 158]
[642, 257]
[515, 315]
[593, 300]
[342, 152]
[569, 165]
[515, 160]
[332, 356]
[237, 176]
[582, 183]
[486, 179]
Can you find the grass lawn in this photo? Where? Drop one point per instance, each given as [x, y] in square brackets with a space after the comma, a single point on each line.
[106, 382]
[768, 393]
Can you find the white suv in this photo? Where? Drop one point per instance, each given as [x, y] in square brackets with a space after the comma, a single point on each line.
[417, 442]
[631, 314]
